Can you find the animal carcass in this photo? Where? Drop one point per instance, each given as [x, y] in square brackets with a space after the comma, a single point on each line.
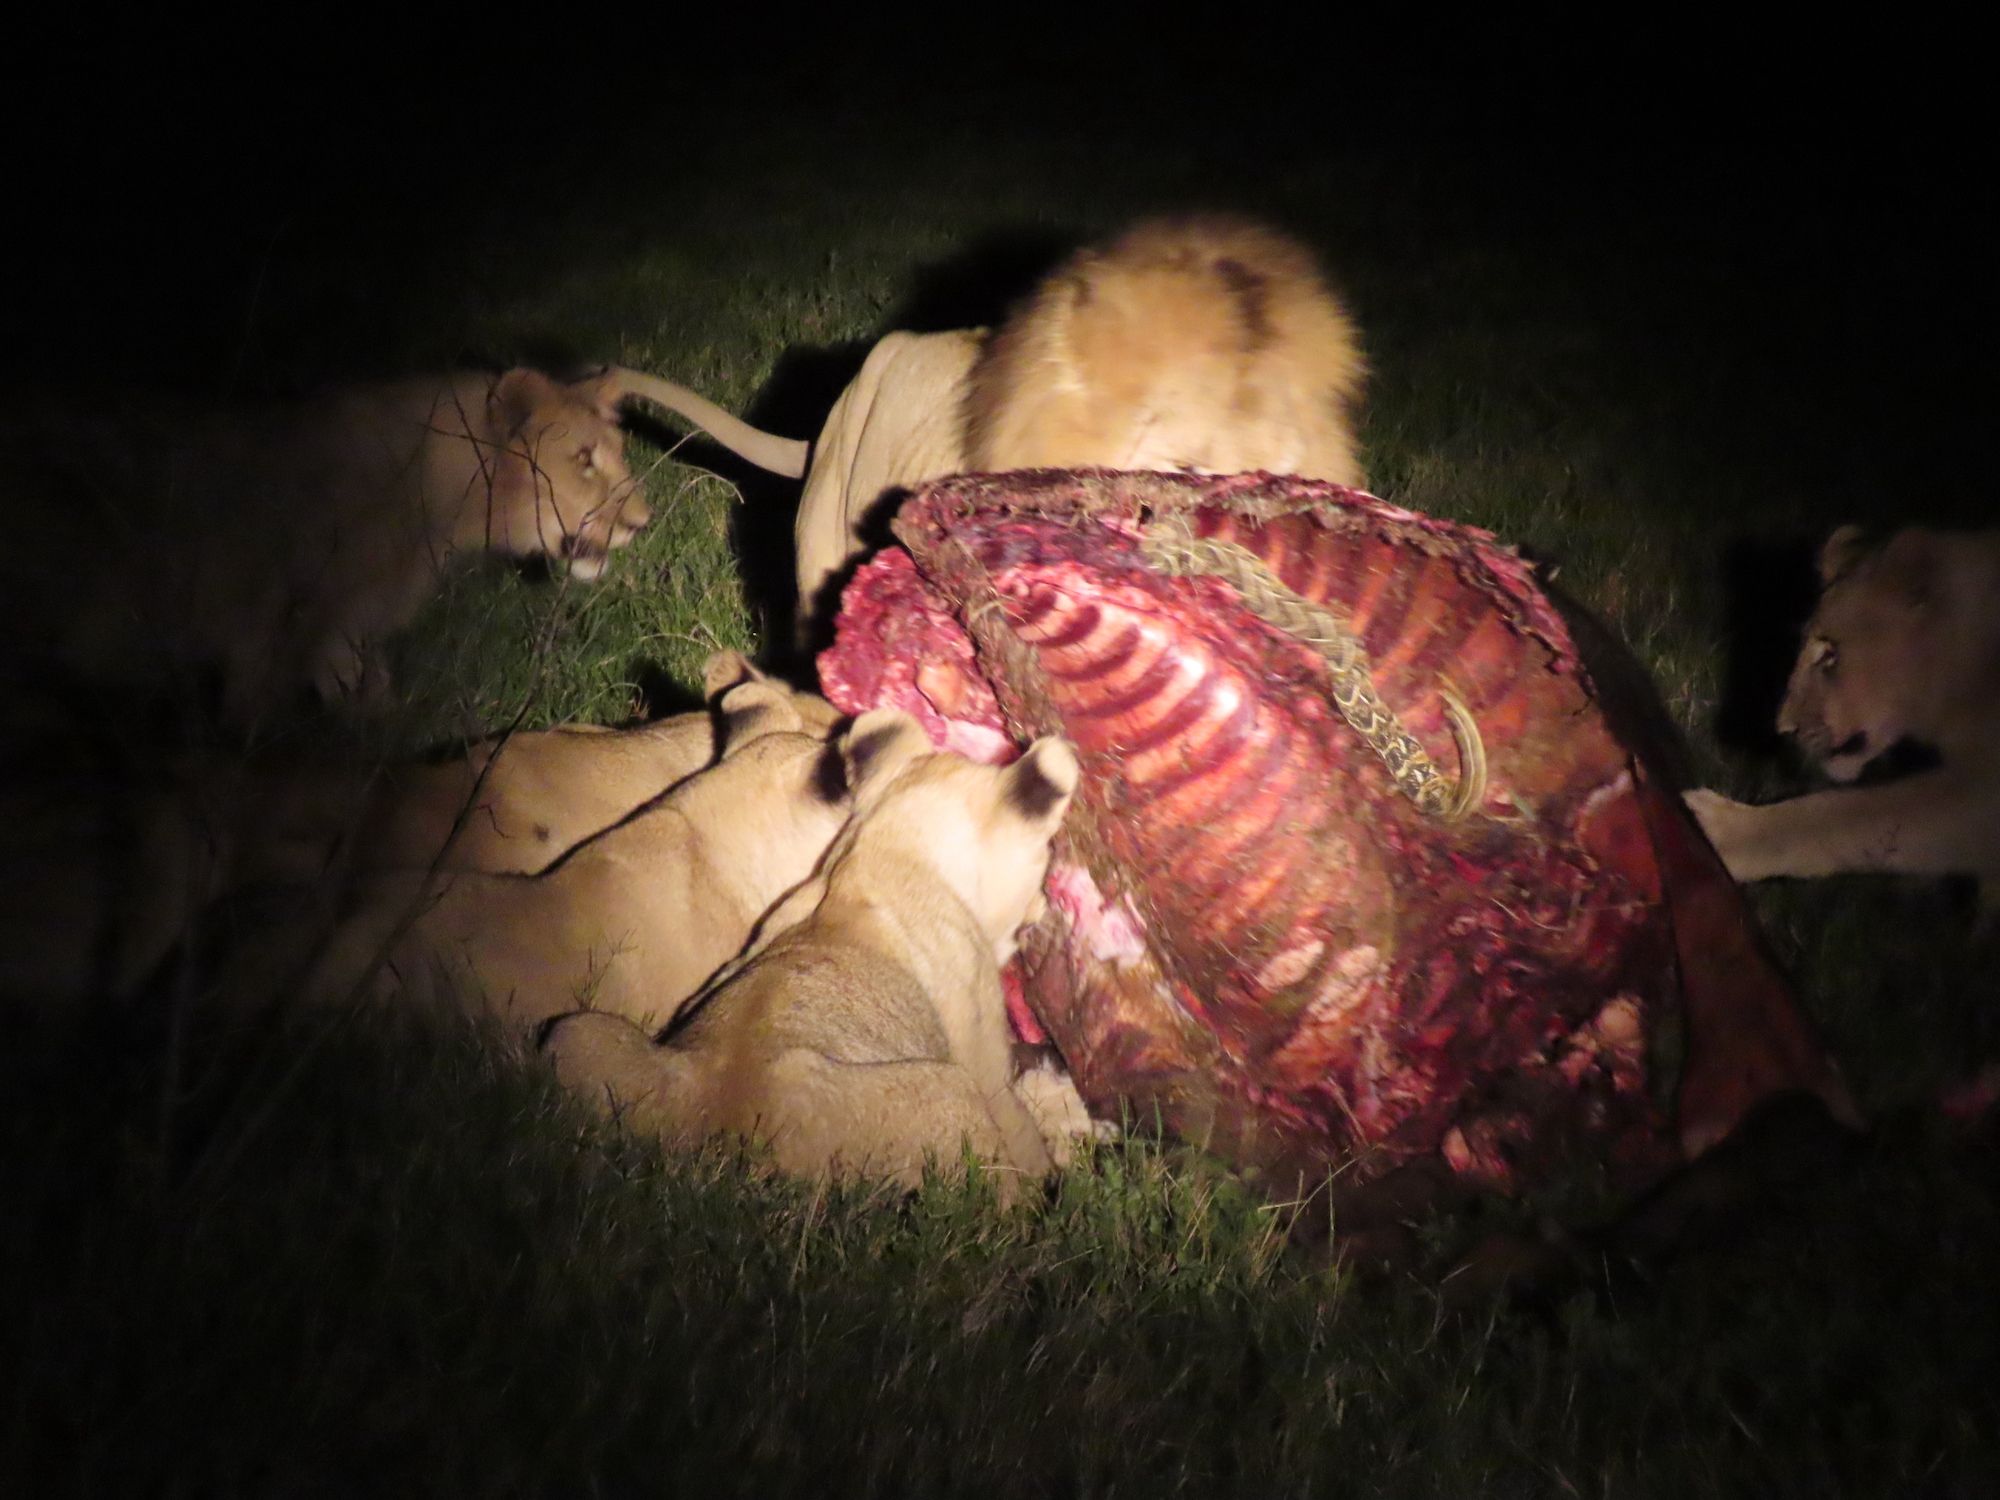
[1373, 881]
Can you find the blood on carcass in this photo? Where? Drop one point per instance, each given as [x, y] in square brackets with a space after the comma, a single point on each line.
[1255, 935]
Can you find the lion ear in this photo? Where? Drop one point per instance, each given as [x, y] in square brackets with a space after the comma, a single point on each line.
[516, 396]
[878, 745]
[1910, 565]
[1842, 551]
[1039, 785]
[754, 708]
[602, 391]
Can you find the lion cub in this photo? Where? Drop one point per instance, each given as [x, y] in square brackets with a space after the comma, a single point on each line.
[865, 1032]
[1905, 643]
[632, 919]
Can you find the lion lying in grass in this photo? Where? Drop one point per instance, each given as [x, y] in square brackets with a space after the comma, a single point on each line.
[1905, 644]
[1204, 344]
[514, 806]
[111, 876]
[634, 917]
[864, 1031]
[282, 545]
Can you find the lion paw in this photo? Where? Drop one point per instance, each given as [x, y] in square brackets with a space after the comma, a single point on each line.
[1724, 820]
[1059, 1111]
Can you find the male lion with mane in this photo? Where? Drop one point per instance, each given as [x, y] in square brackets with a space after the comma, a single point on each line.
[1905, 645]
[1206, 344]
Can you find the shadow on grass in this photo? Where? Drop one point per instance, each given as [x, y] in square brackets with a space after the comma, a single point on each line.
[1769, 588]
[973, 288]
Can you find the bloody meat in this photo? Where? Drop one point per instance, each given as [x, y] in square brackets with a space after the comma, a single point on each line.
[1255, 937]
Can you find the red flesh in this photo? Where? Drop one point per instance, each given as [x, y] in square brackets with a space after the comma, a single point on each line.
[1327, 974]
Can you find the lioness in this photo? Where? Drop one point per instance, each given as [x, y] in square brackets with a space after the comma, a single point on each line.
[110, 873]
[633, 919]
[1905, 644]
[864, 1031]
[514, 806]
[282, 545]
[1206, 344]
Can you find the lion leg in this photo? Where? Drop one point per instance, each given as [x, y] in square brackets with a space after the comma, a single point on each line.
[886, 1119]
[1029, 1144]
[1932, 823]
[625, 1074]
[1050, 1096]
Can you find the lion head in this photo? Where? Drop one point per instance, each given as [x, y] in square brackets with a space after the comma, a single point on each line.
[1902, 646]
[560, 484]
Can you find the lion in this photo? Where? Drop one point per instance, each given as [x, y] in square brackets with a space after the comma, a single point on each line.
[864, 1031]
[1207, 344]
[515, 805]
[112, 871]
[282, 545]
[634, 917]
[1904, 645]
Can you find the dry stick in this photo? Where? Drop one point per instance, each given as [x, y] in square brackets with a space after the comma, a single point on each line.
[214, 1162]
[1172, 548]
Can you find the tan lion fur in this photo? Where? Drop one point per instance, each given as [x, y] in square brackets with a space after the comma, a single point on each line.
[514, 806]
[864, 1032]
[1204, 344]
[1905, 644]
[899, 423]
[1207, 345]
[634, 918]
[110, 872]
[281, 545]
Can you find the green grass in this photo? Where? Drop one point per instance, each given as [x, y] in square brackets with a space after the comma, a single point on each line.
[424, 1272]
[393, 1259]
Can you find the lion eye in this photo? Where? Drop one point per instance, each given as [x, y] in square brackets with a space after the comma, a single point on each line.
[586, 460]
[1826, 657]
